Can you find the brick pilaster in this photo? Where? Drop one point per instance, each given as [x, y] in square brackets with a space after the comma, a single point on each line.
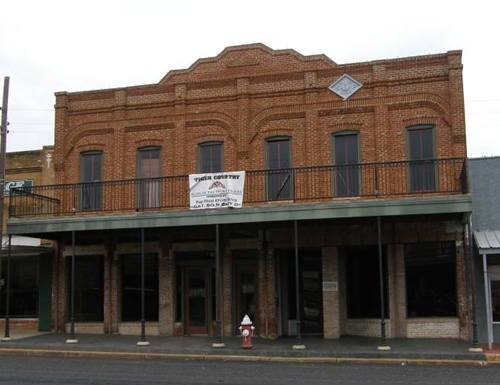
[463, 307]
[166, 273]
[397, 290]
[331, 313]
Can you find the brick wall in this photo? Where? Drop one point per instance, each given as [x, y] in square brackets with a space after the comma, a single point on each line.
[250, 93]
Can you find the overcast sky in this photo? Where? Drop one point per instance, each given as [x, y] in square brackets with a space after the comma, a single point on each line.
[48, 46]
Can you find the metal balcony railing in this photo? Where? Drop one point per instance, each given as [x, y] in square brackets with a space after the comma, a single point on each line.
[300, 185]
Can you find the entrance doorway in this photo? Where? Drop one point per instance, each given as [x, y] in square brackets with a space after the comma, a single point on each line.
[196, 300]
[310, 289]
[246, 291]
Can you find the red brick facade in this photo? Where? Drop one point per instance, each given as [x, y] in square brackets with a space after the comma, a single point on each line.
[249, 93]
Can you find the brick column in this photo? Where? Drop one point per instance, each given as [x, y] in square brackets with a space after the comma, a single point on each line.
[266, 294]
[272, 327]
[227, 298]
[331, 311]
[463, 308]
[107, 302]
[166, 272]
[397, 290]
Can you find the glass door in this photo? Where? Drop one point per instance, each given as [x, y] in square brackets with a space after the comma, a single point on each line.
[196, 294]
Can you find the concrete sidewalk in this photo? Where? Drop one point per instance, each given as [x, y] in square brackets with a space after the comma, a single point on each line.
[345, 349]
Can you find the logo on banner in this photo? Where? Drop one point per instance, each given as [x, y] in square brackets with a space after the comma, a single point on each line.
[216, 190]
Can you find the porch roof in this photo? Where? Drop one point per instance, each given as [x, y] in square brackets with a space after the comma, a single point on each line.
[352, 208]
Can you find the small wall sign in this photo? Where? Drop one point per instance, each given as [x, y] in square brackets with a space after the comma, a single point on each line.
[330, 286]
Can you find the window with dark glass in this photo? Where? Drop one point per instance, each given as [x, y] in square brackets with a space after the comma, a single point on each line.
[430, 279]
[210, 157]
[279, 175]
[89, 283]
[131, 287]
[23, 299]
[363, 282]
[90, 179]
[495, 300]
[148, 177]
[346, 169]
[421, 156]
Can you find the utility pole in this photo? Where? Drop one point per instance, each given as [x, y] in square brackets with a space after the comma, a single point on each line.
[3, 148]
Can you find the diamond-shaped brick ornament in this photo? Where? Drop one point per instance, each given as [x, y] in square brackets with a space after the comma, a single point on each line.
[345, 86]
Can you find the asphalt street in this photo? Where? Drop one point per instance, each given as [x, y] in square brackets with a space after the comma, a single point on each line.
[38, 370]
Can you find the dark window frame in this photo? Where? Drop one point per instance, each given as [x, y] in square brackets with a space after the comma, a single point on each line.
[424, 165]
[91, 191]
[199, 159]
[273, 175]
[148, 189]
[354, 172]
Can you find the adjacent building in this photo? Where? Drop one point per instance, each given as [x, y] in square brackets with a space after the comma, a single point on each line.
[346, 162]
[485, 183]
[30, 290]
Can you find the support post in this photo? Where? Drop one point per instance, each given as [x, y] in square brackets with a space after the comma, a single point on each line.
[383, 344]
[3, 149]
[7, 295]
[72, 337]
[487, 301]
[475, 341]
[299, 345]
[218, 343]
[142, 340]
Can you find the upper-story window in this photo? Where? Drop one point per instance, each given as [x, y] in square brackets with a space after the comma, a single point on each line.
[210, 157]
[421, 155]
[279, 162]
[346, 161]
[90, 177]
[148, 172]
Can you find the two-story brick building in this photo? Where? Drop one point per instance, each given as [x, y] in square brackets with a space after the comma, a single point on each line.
[330, 151]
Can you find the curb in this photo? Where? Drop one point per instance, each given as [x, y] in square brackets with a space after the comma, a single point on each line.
[495, 360]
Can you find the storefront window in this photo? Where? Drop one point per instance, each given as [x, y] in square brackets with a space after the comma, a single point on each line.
[430, 279]
[495, 300]
[363, 283]
[89, 281]
[131, 287]
[23, 287]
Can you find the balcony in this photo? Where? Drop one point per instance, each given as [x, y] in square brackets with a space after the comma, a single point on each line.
[300, 185]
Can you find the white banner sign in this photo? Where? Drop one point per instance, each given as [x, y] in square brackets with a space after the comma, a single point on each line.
[217, 190]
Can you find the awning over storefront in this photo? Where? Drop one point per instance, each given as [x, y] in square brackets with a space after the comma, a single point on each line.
[488, 241]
